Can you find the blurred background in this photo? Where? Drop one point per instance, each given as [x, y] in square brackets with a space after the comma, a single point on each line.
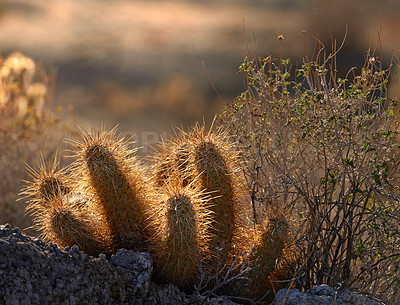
[144, 64]
[152, 65]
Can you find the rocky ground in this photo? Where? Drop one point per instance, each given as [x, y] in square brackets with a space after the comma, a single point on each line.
[34, 272]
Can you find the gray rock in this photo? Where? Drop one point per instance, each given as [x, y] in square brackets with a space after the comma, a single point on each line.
[34, 272]
[321, 295]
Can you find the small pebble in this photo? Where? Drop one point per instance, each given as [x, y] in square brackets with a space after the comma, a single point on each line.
[16, 231]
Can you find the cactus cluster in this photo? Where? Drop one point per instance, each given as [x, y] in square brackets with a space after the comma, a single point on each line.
[187, 209]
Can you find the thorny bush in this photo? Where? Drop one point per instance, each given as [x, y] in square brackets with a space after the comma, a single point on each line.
[325, 150]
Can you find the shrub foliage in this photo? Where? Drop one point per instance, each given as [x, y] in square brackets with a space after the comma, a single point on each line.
[326, 150]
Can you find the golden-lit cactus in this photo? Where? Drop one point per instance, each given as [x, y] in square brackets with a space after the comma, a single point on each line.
[60, 215]
[171, 163]
[264, 258]
[181, 219]
[110, 174]
[65, 222]
[270, 256]
[189, 215]
[48, 181]
[211, 160]
[214, 163]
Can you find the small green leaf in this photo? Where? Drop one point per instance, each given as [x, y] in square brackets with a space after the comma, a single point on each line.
[349, 162]
[360, 248]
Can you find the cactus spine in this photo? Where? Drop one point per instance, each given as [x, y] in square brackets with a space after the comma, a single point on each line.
[58, 218]
[112, 176]
[181, 219]
[47, 182]
[269, 247]
[172, 162]
[214, 163]
[67, 224]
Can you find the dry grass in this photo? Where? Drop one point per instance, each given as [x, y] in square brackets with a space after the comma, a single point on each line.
[28, 129]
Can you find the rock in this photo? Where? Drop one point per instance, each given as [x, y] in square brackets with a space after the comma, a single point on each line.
[321, 295]
[133, 267]
[34, 272]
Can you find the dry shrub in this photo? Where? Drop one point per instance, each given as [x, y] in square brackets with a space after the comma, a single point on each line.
[326, 150]
[28, 128]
